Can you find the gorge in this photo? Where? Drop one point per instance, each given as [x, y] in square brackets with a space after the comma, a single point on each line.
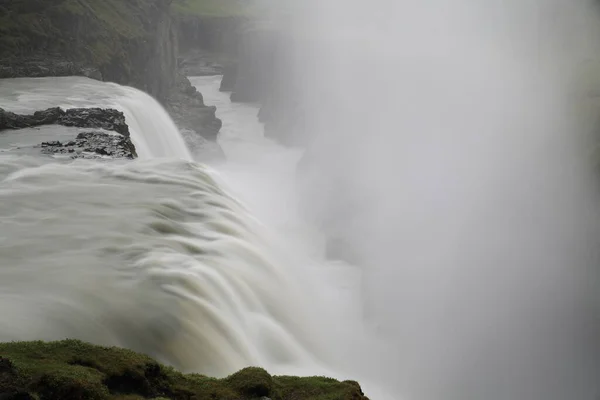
[398, 194]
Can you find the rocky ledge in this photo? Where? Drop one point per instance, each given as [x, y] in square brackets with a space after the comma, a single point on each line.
[186, 106]
[199, 63]
[97, 143]
[49, 66]
[98, 118]
[92, 145]
[73, 370]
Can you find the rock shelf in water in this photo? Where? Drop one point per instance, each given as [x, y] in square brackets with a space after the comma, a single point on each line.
[93, 145]
[73, 370]
[98, 118]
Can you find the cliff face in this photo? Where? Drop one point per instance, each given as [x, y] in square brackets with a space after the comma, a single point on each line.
[265, 73]
[214, 34]
[129, 42]
[133, 42]
[256, 64]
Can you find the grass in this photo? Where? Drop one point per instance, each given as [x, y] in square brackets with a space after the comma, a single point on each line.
[74, 370]
[213, 8]
[92, 30]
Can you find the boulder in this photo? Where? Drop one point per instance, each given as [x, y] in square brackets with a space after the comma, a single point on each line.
[93, 144]
[98, 118]
[108, 119]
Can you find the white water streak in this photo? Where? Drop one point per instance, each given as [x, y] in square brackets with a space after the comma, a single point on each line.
[153, 132]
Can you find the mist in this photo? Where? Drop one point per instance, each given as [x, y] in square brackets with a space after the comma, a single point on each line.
[446, 150]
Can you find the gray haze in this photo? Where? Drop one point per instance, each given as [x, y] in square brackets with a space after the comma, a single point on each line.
[451, 125]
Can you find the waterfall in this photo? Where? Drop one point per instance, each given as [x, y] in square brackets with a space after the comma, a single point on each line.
[151, 255]
[153, 132]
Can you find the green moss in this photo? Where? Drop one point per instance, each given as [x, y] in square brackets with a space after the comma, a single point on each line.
[93, 32]
[252, 382]
[71, 369]
[213, 8]
[317, 388]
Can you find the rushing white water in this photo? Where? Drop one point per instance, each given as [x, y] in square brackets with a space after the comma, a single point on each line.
[483, 298]
[149, 255]
[152, 131]
[263, 174]
[153, 255]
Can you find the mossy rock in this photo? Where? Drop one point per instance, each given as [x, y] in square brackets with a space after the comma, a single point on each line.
[74, 370]
[118, 38]
[252, 382]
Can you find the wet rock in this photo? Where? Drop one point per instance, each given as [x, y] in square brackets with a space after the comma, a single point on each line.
[91, 145]
[201, 148]
[41, 67]
[199, 63]
[108, 119]
[229, 78]
[98, 118]
[54, 143]
[186, 107]
[10, 120]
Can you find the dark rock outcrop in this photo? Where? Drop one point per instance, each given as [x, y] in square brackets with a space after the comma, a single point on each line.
[229, 77]
[187, 108]
[108, 119]
[199, 63]
[37, 68]
[134, 43]
[98, 118]
[93, 144]
[265, 74]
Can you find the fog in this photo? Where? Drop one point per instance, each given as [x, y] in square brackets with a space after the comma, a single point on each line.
[446, 151]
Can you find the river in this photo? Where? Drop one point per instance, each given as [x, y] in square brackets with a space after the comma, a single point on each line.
[207, 268]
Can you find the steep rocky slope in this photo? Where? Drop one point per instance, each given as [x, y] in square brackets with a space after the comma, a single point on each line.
[131, 42]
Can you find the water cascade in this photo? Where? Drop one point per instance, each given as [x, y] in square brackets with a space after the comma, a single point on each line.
[152, 130]
[152, 255]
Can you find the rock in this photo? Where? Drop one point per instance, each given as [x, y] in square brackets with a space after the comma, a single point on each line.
[108, 119]
[199, 63]
[252, 382]
[10, 120]
[229, 78]
[186, 107]
[92, 145]
[55, 143]
[98, 118]
[41, 67]
[201, 148]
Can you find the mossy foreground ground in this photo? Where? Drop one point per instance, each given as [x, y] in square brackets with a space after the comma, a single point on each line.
[71, 369]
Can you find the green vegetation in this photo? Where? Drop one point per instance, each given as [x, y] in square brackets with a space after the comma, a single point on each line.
[214, 8]
[92, 30]
[128, 41]
[73, 370]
